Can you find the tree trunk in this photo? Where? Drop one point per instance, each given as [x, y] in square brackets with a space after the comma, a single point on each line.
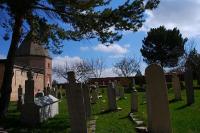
[6, 87]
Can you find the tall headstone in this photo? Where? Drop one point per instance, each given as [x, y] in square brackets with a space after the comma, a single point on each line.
[117, 88]
[29, 88]
[76, 105]
[157, 100]
[134, 98]
[189, 86]
[20, 97]
[28, 111]
[111, 97]
[176, 86]
[93, 94]
[87, 99]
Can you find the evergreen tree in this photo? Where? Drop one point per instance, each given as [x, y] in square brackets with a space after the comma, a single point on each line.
[163, 46]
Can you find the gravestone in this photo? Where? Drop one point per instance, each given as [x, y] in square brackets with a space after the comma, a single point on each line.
[76, 105]
[86, 94]
[20, 97]
[117, 88]
[134, 98]
[176, 86]
[121, 92]
[189, 85]
[37, 110]
[157, 100]
[28, 112]
[112, 104]
[93, 94]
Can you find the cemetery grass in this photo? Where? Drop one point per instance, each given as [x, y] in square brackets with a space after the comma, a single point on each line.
[58, 124]
[184, 119]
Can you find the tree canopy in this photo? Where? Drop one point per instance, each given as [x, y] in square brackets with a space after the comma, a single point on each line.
[163, 46]
[51, 21]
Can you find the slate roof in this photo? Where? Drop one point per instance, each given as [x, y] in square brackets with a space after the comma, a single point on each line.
[31, 48]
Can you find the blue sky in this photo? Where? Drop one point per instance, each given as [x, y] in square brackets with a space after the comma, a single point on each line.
[183, 14]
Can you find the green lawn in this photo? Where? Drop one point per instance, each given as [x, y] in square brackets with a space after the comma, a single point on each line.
[185, 119]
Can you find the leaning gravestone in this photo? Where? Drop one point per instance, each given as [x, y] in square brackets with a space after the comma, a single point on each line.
[112, 97]
[76, 105]
[176, 86]
[157, 100]
[134, 98]
[189, 86]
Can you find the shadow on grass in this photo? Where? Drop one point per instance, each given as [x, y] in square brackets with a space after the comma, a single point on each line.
[182, 107]
[13, 125]
[125, 117]
[174, 101]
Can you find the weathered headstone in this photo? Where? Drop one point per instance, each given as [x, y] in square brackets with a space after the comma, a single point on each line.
[76, 105]
[111, 97]
[93, 94]
[157, 100]
[28, 112]
[134, 98]
[87, 99]
[20, 97]
[121, 92]
[117, 88]
[176, 86]
[189, 86]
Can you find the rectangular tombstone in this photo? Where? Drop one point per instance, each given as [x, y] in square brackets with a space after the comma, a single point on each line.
[87, 100]
[76, 105]
[176, 86]
[189, 86]
[112, 104]
[157, 100]
[134, 98]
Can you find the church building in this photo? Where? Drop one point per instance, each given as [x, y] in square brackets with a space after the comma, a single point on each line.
[30, 55]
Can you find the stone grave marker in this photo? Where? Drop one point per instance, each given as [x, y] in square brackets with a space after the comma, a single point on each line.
[20, 97]
[176, 86]
[189, 86]
[76, 105]
[134, 98]
[112, 104]
[93, 94]
[86, 94]
[157, 100]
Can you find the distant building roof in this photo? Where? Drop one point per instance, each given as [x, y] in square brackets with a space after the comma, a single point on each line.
[31, 48]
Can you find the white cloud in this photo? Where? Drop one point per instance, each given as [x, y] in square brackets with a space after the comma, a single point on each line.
[113, 49]
[61, 61]
[183, 14]
[108, 73]
[84, 48]
[2, 56]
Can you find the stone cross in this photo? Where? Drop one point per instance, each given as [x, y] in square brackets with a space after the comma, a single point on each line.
[76, 105]
[189, 86]
[157, 100]
[29, 88]
[134, 98]
[176, 86]
[111, 97]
